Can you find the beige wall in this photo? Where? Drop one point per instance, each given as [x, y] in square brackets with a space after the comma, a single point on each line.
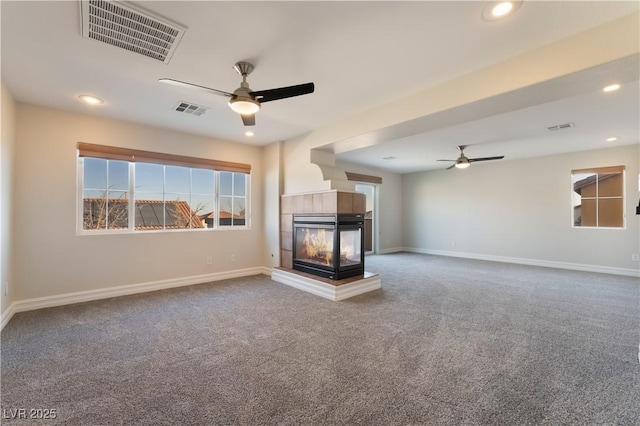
[519, 209]
[272, 159]
[7, 149]
[49, 258]
[482, 210]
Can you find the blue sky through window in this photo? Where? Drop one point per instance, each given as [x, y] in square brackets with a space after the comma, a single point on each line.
[178, 179]
[149, 178]
[226, 183]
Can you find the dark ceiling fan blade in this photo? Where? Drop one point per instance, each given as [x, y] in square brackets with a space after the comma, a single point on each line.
[194, 86]
[282, 92]
[471, 160]
[249, 120]
[450, 167]
[446, 160]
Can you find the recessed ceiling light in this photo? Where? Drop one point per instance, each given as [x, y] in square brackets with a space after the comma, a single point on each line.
[499, 9]
[611, 88]
[91, 100]
[612, 139]
[248, 133]
[502, 9]
[391, 157]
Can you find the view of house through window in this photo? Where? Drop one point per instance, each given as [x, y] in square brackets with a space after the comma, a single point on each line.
[143, 196]
[172, 197]
[598, 197]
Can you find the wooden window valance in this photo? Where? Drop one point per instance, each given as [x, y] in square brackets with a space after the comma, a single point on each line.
[601, 170]
[363, 178]
[135, 155]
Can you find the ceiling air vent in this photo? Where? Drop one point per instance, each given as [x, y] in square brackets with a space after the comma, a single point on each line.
[122, 26]
[189, 108]
[560, 127]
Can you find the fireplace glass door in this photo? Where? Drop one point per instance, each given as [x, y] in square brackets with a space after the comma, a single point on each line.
[315, 245]
[350, 249]
[329, 245]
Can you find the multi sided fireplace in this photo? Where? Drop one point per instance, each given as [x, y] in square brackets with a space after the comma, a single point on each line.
[329, 245]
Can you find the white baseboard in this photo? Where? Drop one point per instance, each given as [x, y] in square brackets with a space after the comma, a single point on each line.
[345, 290]
[325, 290]
[7, 315]
[531, 262]
[105, 293]
[391, 250]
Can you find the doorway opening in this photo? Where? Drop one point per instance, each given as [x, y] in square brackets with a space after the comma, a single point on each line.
[370, 217]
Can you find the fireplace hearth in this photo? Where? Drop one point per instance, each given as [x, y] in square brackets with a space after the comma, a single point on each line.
[329, 245]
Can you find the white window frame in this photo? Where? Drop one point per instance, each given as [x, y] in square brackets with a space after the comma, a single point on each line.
[247, 208]
[131, 212]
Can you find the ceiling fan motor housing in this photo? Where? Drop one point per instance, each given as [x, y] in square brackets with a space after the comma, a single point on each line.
[243, 91]
[242, 103]
[462, 162]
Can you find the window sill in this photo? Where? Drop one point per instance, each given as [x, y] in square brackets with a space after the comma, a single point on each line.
[161, 231]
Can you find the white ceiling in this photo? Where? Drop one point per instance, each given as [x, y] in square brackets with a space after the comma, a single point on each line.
[521, 133]
[359, 55]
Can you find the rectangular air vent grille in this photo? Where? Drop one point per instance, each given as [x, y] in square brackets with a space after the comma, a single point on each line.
[189, 108]
[560, 127]
[124, 27]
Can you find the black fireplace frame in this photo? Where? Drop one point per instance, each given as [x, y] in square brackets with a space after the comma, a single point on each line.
[335, 222]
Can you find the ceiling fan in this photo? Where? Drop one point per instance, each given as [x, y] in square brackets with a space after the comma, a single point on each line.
[243, 100]
[463, 162]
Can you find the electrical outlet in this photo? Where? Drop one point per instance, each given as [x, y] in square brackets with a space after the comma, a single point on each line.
[635, 257]
[232, 258]
[209, 260]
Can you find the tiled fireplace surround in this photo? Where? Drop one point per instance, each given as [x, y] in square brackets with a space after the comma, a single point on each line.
[328, 202]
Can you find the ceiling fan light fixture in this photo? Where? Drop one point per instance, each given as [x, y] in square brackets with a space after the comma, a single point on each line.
[462, 163]
[244, 106]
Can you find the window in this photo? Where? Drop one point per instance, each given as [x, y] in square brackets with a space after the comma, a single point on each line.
[105, 194]
[130, 190]
[233, 189]
[598, 197]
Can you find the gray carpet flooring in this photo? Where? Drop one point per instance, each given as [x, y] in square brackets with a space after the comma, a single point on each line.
[445, 342]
